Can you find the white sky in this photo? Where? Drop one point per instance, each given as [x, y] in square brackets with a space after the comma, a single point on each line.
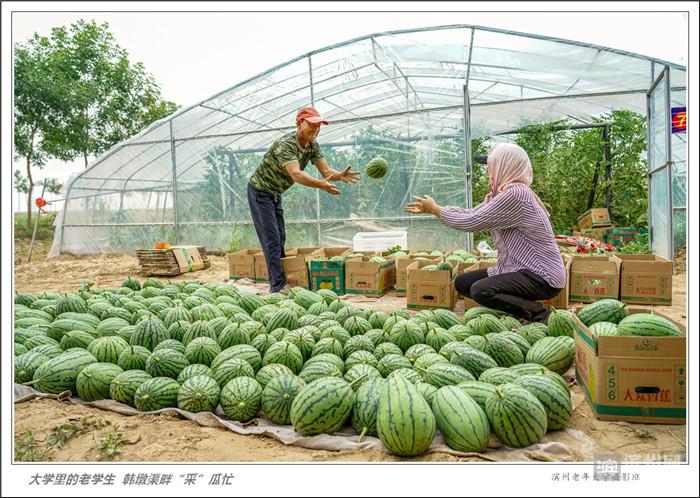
[194, 55]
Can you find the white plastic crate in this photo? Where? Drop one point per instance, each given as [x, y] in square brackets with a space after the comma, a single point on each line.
[379, 241]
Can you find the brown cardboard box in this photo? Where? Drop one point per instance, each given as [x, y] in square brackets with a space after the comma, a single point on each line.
[561, 300]
[402, 263]
[632, 378]
[430, 288]
[188, 258]
[260, 267]
[646, 279]
[468, 301]
[365, 277]
[326, 274]
[594, 278]
[295, 267]
[594, 218]
[598, 234]
[241, 264]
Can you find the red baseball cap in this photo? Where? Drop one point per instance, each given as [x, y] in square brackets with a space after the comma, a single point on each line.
[311, 115]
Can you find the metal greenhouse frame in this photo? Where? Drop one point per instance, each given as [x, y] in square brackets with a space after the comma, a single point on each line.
[418, 96]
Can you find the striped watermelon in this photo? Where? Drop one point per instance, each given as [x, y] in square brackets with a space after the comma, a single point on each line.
[327, 357]
[336, 332]
[94, 380]
[124, 385]
[418, 350]
[385, 348]
[561, 322]
[449, 348]
[278, 395]
[357, 343]
[503, 350]
[446, 374]
[392, 361]
[202, 350]
[111, 326]
[285, 353]
[76, 339]
[518, 340]
[498, 376]
[171, 344]
[533, 332]
[323, 406]
[356, 325]
[426, 360]
[199, 328]
[133, 358]
[555, 353]
[60, 373]
[230, 369]
[359, 374]
[107, 349]
[461, 420]
[405, 334]
[555, 400]
[192, 371]
[409, 374]
[604, 328]
[479, 391]
[205, 312]
[166, 363]
[49, 350]
[303, 339]
[20, 349]
[643, 324]
[527, 368]
[149, 333]
[26, 364]
[446, 319]
[198, 394]
[437, 338]
[262, 343]
[476, 311]
[427, 391]
[39, 340]
[177, 330]
[603, 310]
[510, 322]
[475, 361]
[328, 345]
[476, 342]
[243, 351]
[377, 336]
[486, 324]
[366, 407]
[268, 372]
[361, 357]
[233, 334]
[156, 393]
[405, 422]
[319, 370]
[460, 332]
[283, 318]
[241, 398]
[70, 302]
[516, 416]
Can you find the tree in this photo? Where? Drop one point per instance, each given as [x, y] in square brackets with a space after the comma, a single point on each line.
[76, 95]
[105, 98]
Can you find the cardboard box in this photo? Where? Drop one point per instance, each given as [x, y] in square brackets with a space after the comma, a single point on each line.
[561, 300]
[646, 279]
[619, 236]
[468, 301]
[402, 264]
[261, 274]
[594, 218]
[594, 278]
[430, 288]
[241, 264]
[596, 233]
[326, 274]
[296, 268]
[631, 378]
[365, 277]
[188, 258]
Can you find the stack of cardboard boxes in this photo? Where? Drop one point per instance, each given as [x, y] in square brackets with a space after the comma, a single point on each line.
[595, 224]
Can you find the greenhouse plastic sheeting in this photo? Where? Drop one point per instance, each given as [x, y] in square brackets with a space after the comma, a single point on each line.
[399, 95]
[561, 446]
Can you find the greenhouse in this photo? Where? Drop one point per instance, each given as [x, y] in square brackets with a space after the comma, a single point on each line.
[418, 98]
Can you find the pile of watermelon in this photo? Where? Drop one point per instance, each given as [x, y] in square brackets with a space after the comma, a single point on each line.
[308, 359]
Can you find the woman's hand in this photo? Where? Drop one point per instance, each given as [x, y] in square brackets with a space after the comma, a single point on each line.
[423, 205]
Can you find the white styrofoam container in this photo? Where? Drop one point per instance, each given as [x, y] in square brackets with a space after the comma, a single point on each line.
[379, 241]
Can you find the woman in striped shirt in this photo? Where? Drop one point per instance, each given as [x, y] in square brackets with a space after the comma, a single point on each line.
[529, 265]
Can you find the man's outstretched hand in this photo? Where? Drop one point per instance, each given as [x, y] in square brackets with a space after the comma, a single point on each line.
[330, 188]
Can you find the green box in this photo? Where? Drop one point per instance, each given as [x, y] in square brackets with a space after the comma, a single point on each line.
[619, 236]
[325, 274]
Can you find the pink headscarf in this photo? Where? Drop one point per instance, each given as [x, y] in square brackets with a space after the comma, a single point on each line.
[508, 164]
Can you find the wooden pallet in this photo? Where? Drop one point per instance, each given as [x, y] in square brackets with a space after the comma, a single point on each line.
[162, 262]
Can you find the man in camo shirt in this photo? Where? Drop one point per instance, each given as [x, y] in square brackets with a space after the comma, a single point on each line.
[282, 166]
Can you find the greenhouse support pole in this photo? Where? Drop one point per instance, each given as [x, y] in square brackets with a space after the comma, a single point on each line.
[318, 191]
[669, 161]
[608, 167]
[468, 162]
[172, 159]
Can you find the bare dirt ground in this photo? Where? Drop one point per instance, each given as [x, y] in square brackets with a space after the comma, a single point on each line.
[172, 439]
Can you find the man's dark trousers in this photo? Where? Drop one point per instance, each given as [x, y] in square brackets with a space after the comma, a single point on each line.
[266, 210]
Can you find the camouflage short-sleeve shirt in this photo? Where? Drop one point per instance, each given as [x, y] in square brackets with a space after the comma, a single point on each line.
[271, 175]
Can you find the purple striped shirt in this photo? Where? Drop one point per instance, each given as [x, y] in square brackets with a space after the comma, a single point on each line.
[520, 229]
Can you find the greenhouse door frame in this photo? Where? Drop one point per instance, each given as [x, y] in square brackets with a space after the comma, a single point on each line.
[662, 166]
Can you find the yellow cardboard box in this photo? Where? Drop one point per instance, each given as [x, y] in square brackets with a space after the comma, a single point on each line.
[241, 264]
[430, 288]
[366, 277]
[646, 279]
[594, 278]
[594, 218]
